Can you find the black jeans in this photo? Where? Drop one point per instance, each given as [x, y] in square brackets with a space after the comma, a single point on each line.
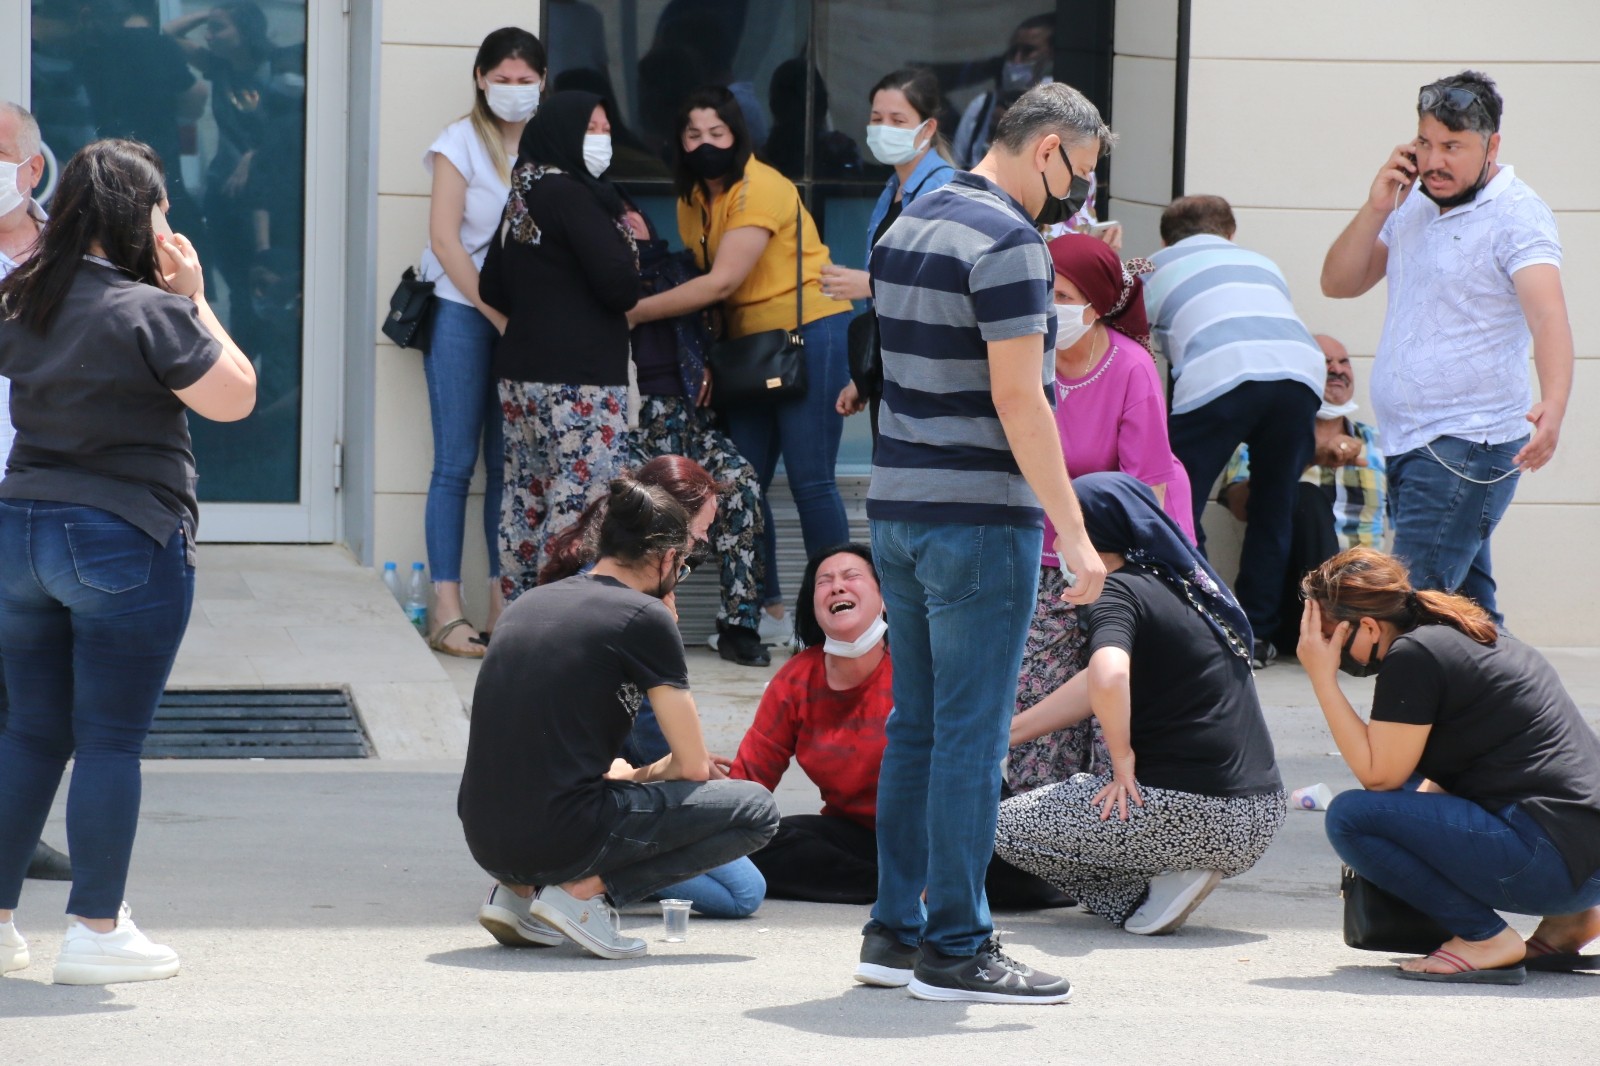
[1312, 542]
[821, 858]
[1276, 419]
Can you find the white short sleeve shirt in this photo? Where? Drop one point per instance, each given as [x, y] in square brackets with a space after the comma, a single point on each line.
[486, 200]
[8, 432]
[1453, 359]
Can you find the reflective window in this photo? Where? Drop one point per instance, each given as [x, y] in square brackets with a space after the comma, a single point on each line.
[218, 90]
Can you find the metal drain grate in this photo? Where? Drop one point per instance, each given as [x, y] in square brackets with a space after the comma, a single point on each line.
[281, 724]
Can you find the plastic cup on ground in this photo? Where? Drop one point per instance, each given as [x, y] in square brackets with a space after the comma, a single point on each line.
[675, 920]
[1311, 798]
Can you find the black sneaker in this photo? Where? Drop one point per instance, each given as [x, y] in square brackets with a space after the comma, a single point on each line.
[743, 646]
[1265, 654]
[990, 976]
[885, 961]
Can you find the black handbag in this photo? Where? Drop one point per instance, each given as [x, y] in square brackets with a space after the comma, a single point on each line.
[410, 312]
[767, 367]
[866, 355]
[1374, 920]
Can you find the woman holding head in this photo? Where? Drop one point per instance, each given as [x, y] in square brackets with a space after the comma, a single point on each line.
[902, 131]
[746, 225]
[567, 829]
[1480, 778]
[1192, 794]
[470, 165]
[564, 270]
[1111, 415]
[108, 341]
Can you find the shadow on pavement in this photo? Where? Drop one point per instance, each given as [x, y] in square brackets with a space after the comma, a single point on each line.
[881, 1014]
[40, 999]
[556, 960]
[1379, 980]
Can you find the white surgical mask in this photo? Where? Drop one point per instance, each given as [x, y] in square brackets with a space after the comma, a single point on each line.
[596, 153]
[894, 145]
[1330, 411]
[513, 103]
[1070, 326]
[11, 197]
[855, 649]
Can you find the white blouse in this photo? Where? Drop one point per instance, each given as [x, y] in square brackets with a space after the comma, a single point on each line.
[486, 200]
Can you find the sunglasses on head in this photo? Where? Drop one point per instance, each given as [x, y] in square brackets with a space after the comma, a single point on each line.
[1447, 98]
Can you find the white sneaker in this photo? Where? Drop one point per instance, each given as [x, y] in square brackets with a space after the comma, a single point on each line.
[13, 949]
[124, 954]
[505, 915]
[591, 923]
[1173, 897]
[778, 632]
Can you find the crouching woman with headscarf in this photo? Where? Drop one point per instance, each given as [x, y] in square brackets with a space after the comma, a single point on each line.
[1194, 794]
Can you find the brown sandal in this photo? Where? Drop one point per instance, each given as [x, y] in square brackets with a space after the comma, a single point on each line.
[473, 650]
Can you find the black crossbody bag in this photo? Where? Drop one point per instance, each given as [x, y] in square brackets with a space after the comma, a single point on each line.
[767, 367]
[410, 312]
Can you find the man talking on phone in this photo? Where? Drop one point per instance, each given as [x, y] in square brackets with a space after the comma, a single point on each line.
[1474, 269]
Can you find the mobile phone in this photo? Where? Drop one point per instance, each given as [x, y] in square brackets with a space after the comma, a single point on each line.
[158, 221]
[1100, 227]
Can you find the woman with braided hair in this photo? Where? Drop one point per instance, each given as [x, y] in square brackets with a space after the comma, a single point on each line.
[1481, 780]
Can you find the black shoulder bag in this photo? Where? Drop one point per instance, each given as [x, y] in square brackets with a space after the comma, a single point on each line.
[410, 312]
[1374, 920]
[767, 367]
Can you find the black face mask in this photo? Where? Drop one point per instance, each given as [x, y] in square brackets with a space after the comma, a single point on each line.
[1465, 196]
[1058, 209]
[709, 162]
[1348, 663]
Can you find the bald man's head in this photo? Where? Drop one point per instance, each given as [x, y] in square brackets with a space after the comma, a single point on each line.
[1341, 382]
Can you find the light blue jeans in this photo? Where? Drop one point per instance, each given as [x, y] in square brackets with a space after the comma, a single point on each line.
[961, 598]
[732, 890]
[1443, 521]
[464, 409]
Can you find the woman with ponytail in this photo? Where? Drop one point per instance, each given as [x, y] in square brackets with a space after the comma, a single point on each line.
[1506, 816]
[567, 829]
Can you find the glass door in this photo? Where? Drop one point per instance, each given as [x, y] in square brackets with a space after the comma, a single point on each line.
[243, 100]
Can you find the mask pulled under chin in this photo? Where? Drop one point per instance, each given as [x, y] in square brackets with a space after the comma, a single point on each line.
[1330, 411]
[855, 649]
[1465, 196]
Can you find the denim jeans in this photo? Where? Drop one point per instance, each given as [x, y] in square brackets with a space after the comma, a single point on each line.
[1276, 419]
[1443, 521]
[464, 410]
[733, 890]
[1454, 860]
[91, 614]
[961, 598]
[805, 432]
[669, 831]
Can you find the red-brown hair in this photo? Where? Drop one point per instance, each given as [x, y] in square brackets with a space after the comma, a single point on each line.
[683, 479]
[1363, 583]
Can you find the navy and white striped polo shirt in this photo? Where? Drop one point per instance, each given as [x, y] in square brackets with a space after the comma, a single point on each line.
[959, 268]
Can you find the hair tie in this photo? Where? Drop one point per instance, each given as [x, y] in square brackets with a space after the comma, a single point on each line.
[1413, 602]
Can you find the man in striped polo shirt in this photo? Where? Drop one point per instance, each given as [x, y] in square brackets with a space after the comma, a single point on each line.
[1246, 370]
[968, 463]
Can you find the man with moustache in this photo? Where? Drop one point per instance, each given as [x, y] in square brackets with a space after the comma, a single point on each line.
[1474, 270]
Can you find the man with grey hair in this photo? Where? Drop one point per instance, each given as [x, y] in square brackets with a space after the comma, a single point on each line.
[967, 466]
[1474, 272]
[21, 222]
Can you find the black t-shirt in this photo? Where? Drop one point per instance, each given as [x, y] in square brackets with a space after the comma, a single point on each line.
[1504, 731]
[556, 697]
[97, 423]
[1196, 723]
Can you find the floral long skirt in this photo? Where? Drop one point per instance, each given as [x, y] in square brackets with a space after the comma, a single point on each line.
[671, 425]
[564, 444]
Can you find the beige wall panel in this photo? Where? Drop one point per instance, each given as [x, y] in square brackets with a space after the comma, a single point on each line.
[1545, 591]
[1563, 31]
[402, 234]
[397, 519]
[1580, 277]
[424, 90]
[430, 22]
[1297, 242]
[1273, 146]
[1147, 28]
[1141, 222]
[1142, 117]
[403, 443]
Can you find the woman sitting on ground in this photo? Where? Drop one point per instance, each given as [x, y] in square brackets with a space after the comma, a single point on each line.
[1194, 793]
[826, 709]
[1507, 817]
[566, 828]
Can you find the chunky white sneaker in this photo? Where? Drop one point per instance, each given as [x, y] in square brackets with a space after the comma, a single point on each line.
[591, 923]
[124, 954]
[1173, 897]
[13, 949]
[505, 915]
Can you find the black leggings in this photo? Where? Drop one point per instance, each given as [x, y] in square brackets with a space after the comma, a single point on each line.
[820, 858]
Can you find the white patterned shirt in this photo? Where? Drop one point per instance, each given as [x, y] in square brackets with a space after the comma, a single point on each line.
[7, 432]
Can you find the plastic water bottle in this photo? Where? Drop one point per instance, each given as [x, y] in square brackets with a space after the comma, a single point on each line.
[416, 601]
[391, 581]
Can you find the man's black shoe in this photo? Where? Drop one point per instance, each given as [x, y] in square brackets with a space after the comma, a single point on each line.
[990, 976]
[885, 961]
[49, 864]
[743, 646]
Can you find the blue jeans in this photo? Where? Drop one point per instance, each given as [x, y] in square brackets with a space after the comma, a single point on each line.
[1454, 860]
[1442, 521]
[961, 598]
[1276, 420]
[91, 614]
[806, 433]
[733, 890]
[464, 409]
